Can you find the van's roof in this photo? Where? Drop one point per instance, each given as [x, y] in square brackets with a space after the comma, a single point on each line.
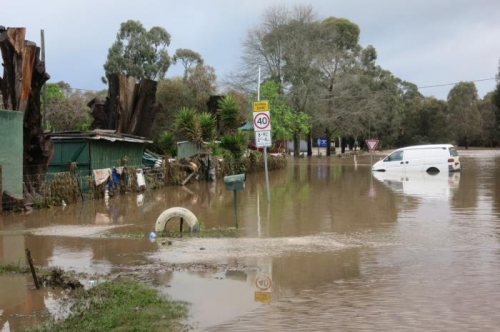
[427, 146]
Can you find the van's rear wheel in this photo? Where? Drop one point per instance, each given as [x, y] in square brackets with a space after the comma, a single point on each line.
[433, 170]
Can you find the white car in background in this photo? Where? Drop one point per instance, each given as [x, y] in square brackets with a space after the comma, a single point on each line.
[432, 158]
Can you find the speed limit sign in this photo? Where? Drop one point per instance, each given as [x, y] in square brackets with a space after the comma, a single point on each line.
[261, 121]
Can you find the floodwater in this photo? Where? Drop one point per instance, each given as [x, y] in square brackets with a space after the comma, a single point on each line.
[335, 249]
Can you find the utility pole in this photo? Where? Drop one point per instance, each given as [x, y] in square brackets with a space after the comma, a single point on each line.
[265, 148]
[44, 96]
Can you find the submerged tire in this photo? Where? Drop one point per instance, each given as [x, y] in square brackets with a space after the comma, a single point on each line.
[179, 212]
[433, 170]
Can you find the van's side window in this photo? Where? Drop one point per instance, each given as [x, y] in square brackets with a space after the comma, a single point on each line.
[398, 155]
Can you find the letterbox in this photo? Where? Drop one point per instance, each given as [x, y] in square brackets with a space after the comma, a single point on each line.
[235, 182]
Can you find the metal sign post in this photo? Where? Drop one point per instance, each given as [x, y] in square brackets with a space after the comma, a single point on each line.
[262, 128]
[372, 144]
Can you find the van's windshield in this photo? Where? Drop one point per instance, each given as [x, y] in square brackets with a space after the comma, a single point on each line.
[453, 152]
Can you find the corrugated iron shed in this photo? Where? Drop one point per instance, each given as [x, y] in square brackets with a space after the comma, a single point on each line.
[95, 149]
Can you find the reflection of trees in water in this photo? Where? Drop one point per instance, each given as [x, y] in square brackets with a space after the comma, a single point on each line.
[496, 186]
[496, 192]
[466, 195]
[293, 274]
[327, 197]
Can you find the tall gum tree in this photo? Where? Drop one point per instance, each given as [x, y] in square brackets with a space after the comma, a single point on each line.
[463, 106]
[490, 134]
[283, 47]
[337, 61]
[139, 52]
[300, 72]
[187, 58]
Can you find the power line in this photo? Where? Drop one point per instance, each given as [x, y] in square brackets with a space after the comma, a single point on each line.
[448, 84]
[326, 94]
[86, 90]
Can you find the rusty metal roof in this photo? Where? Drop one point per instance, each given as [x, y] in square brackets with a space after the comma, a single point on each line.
[98, 134]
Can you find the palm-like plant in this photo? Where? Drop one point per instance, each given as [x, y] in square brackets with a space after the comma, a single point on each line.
[207, 125]
[228, 111]
[187, 125]
[235, 143]
[167, 143]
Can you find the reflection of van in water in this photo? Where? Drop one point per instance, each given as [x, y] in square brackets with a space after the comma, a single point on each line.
[428, 158]
[421, 184]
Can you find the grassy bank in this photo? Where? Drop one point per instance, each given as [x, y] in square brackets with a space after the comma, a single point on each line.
[120, 305]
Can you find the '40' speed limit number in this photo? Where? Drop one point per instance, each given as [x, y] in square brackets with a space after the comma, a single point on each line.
[261, 121]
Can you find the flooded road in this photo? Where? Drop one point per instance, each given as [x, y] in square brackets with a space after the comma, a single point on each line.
[337, 249]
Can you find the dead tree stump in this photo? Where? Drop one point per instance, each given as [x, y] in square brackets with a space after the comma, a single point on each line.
[130, 107]
[23, 78]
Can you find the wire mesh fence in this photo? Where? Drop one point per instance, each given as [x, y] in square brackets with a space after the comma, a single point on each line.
[60, 188]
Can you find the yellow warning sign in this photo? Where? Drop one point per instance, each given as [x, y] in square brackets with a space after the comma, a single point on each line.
[264, 297]
[259, 106]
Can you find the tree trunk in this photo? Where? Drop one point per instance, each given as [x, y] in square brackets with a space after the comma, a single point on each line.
[296, 145]
[309, 144]
[145, 109]
[24, 76]
[343, 145]
[130, 107]
[328, 134]
[120, 101]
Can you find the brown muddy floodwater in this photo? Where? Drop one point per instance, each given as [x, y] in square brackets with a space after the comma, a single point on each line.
[336, 249]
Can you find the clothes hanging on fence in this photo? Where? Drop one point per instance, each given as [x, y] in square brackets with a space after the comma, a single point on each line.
[115, 177]
[101, 175]
[141, 182]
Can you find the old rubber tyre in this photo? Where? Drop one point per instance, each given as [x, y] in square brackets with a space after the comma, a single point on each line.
[179, 212]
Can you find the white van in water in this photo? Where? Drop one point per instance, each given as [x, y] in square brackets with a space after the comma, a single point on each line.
[427, 158]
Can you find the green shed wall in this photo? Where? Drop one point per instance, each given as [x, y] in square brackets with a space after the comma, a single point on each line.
[93, 154]
[74, 150]
[187, 149]
[105, 154]
[11, 151]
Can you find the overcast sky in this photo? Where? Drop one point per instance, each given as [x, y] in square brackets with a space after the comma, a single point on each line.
[426, 42]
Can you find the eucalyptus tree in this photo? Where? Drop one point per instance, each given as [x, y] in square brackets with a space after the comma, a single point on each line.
[490, 131]
[284, 48]
[201, 80]
[285, 122]
[139, 52]
[495, 99]
[177, 92]
[323, 72]
[465, 116]
[263, 50]
[337, 62]
[385, 103]
[428, 123]
[187, 58]
[301, 74]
